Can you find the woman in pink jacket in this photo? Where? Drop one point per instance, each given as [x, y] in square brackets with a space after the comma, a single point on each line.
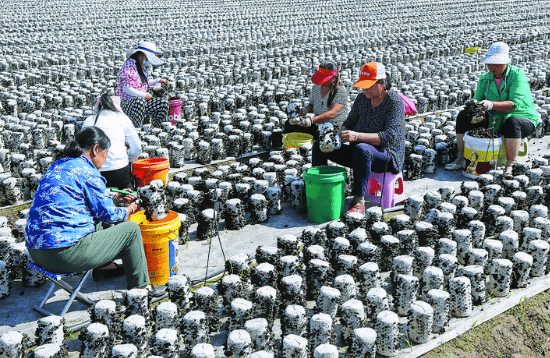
[133, 82]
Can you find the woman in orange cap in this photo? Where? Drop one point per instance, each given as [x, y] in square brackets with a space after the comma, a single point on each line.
[328, 101]
[375, 130]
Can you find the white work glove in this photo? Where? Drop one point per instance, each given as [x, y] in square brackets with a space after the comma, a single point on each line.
[338, 142]
[487, 105]
[306, 122]
[294, 121]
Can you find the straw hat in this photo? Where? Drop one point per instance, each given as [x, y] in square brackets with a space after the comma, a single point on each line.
[497, 55]
[149, 49]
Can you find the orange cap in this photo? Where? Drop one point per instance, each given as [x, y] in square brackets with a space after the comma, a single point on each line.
[370, 74]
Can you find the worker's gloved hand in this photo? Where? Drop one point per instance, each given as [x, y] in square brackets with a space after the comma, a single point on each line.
[294, 121]
[487, 105]
[306, 122]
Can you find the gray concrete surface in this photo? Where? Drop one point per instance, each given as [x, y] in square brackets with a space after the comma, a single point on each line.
[16, 311]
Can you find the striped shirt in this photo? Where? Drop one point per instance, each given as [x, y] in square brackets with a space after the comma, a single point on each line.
[320, 104]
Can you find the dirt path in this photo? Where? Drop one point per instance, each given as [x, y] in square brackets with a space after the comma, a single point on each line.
[521, 332]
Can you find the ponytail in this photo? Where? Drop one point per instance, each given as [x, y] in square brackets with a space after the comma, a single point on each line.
[105, 102]
[73, 150]
[139, 68]
[333, 90]
[336, 84]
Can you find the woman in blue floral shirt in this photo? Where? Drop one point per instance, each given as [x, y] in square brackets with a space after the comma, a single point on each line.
[375, 129]
[71, 202]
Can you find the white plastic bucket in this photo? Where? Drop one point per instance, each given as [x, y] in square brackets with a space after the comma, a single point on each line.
[480, 155]
[522, 155]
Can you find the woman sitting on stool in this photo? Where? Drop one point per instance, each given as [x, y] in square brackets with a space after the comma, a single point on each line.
[64, 232]
[505, 95]
[328, 101]
[375, 131]
[119, 128]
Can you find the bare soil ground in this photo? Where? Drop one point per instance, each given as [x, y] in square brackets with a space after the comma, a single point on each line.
[521, 332]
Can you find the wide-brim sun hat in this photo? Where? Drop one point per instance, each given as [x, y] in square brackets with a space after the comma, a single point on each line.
[370, 74]
[324, 74]
[149, 49]
[498, 54]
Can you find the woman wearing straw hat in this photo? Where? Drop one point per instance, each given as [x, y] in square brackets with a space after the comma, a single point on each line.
[506, 97]
[120, 130]
[328, 101]
[133, 82]
[375, 130]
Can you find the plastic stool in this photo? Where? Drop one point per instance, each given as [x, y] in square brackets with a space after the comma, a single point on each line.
[393, 189]
[57, 279]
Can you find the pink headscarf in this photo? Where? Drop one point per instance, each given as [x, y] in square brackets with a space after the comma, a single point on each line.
[116, 102]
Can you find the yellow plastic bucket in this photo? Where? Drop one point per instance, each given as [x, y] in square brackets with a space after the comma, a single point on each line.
[160, 241]
[296, 140]
[147, 170]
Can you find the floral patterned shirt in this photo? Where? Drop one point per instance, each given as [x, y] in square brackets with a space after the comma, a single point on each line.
[128, 76]
[70, 200]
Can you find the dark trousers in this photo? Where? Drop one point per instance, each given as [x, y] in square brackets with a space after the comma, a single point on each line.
[362, 158]
[513, 127]
[98, 249]
[120, 178]
[292, 128]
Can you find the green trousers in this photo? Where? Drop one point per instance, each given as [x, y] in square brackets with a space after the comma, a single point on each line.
[98, 249]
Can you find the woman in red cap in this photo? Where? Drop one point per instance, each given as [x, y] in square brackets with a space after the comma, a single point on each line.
[375, 130]
[328, 101]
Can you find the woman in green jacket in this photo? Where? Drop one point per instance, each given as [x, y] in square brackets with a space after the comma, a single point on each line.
[505, 94]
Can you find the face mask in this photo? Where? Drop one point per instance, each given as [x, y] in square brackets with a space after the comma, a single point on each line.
[146, 63]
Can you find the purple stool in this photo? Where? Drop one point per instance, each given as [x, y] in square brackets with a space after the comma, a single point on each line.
[393, 189]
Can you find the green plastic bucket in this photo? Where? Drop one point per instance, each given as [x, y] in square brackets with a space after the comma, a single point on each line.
[325, 193]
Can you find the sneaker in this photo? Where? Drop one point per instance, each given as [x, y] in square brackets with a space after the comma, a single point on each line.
[355, 207]
[453, 166]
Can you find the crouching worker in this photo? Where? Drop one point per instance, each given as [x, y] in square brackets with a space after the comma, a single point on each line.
[64, 224]
[374, 132]
[506, 97]
[328, 102]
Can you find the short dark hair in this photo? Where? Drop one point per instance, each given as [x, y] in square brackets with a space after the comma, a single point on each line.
[329, 65]
[386, 82]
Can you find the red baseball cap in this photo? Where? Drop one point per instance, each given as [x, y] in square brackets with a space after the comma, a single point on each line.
[323, 76]
[370, 74]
